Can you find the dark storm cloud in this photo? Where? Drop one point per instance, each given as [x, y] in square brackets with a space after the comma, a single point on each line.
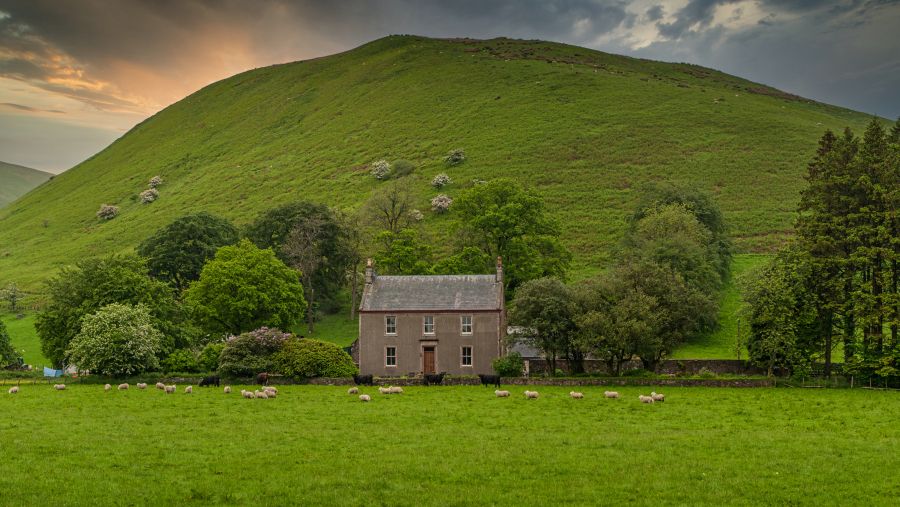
[697, 13]
[655, 13]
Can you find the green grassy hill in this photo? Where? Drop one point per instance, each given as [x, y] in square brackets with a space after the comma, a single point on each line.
[588, 129]
[16, 181]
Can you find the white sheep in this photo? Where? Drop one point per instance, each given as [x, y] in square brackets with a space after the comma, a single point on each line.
[227, 389]
[396, 390]
[611, 394]
[645, 399]
[262, 394]
[575, 395]
[247, 394]
[531, 395]
[107, 387]
[169, 389]
[141, 385]
[353, 390]
[658, 397]
[502, 394]
[384, 390]
[13, 389]
[123, 387]
[160, 386]
[59, 387]
[365, 397]
[188, 389]
[270, 394]
[271, 388]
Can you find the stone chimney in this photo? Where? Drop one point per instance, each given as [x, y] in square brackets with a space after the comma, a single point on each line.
[499, 269]
[370, 272]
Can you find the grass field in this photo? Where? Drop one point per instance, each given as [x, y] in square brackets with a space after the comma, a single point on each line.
[24, 338]
[16, 181]
[315, 445]
[588, 129]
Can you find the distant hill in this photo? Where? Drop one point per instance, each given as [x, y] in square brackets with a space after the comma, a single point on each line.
[588, 129]
[16, 181]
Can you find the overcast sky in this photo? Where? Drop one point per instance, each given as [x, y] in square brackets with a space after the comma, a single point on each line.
[75, 75]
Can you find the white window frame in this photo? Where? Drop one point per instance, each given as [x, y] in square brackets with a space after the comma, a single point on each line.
[386, 318]
[462, 356]
[386, 356]
[425, 330]
[462, 325]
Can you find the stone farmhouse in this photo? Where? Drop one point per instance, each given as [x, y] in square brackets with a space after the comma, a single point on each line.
[431, 324]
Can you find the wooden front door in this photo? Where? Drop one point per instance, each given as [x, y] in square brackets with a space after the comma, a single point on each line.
[428, 360]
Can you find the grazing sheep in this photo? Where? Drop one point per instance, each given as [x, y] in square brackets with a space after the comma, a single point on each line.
[658, 397]
[396, 390]
[645, 399]
[227, 389]
[575, 395]
[531, 395]
[361, 380]
[247, 394]
[353, 390]
[141, 385]
[384, 390]
[59, 387]
[123, 387]
[188, 389]
[611, 394]
[169, 389]
[487, 380]
[107, 387]
[160, 386]
[262, 394]
[210, 381]
[364, 397]
[270, 393]
[502, 394]
[271, 388]
[13, 389]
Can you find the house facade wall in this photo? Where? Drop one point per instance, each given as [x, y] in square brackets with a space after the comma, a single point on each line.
[448, 340]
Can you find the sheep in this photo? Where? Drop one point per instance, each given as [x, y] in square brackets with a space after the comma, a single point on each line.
[210, 381]
[247, 394]
[365, 397]
[188, 389]
[658, 397]
[502, 394]
[262, 394]
[645, 399]
[160, 386]
[353, 390]
[271, 388]
[59, 387]
[107, 387]
[531, 395]
[123, 387]
[141, 385]
[13, 389]
[396, 390]
[384, 390]
[611, 394]
[169, 389]
[270, 393]
[575, 395]
[227, 389]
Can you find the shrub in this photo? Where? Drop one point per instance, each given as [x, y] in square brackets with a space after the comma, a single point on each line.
[402, 168]
[455, 157]
[250, 353]
[313, 358]
[381, 170]
[107, 212]
[441, 180]
[155, 182]
[117, 340]
[181, 360]
[510, 365]
[209, 356]
[7, 352]
[149, 195]
[706, 373]
[441, 203]
[416, 215]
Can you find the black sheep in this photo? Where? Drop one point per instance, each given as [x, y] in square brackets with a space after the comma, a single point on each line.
[363, 380]
[210, 381]
[487, 380]
[431, 378]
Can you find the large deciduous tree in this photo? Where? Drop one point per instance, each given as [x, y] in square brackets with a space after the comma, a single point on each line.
[116, 340]
[546, 307]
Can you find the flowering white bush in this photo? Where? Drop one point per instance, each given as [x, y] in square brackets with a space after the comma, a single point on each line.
[107, 212]
[441, 180]
[149, 195]
[416, 215]
[155, 182]
[441, 203]
[381, 169]
[117, 340]
[455, 156]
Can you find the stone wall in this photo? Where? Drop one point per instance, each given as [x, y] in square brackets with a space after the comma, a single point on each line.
[668, 366]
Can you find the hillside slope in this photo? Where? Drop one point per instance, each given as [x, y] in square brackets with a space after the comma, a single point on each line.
[17, 180]
[588, 129]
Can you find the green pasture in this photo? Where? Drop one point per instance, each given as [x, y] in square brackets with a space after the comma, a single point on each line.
[317, 445]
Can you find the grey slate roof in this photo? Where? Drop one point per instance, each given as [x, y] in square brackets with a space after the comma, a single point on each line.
[441, 292]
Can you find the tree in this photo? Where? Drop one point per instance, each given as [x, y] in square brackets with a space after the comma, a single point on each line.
[94, 283]
[244, 288]
[546, 306]
[12, 295]
[504, 219]
[313, 358]
[7, 352]
[390, 208]
[177, 252]
[303, 251]
[404, 253]
[117, 340]
[273, 228]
